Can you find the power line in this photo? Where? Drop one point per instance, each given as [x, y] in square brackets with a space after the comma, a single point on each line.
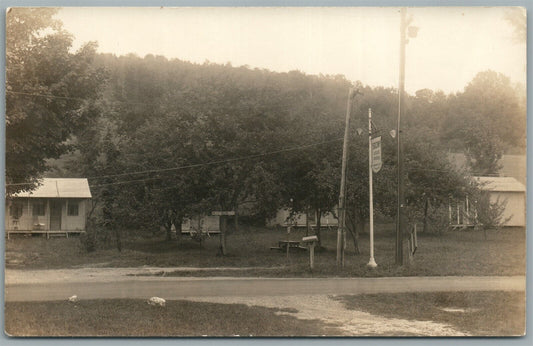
[306, 146]
[218, 161]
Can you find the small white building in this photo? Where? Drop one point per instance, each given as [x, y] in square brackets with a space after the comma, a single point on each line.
[283, 219]
[57, 205]
[201, 224]
[512, 193]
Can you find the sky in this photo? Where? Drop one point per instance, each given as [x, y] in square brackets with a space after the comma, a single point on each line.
[362, 43]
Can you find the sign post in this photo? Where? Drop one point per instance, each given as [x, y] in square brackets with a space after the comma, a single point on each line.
[374, 152]
[223, 222]
[311, 242]
[377, 163]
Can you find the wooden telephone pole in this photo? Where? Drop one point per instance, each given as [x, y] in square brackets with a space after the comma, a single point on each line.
[342, 194]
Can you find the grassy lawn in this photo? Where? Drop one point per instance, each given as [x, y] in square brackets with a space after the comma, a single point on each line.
[476, 313]
[452, 253]
[128, 317]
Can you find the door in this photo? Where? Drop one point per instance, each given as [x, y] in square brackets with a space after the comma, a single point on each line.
[55, 215]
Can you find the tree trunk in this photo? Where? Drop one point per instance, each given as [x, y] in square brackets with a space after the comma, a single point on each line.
[223, 229]
[168, 229]
[354, 230]
[177, 223]
[118, 240]
[355, 238]
[425, 215]
[236, 221]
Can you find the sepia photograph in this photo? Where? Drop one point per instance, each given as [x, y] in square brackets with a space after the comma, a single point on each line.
[265, 172]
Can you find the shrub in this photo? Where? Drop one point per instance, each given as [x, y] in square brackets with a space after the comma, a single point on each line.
[490, 213]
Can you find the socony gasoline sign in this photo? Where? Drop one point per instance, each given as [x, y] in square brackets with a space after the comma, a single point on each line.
[376, 154]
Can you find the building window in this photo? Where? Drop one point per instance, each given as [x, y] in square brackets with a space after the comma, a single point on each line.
[16, 210]
[38, 209]
[72, 209]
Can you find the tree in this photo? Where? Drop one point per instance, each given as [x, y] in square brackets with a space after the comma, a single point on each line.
[517, 17]
[489, 212]
[487, 118]
[50, 93]
[429, 175]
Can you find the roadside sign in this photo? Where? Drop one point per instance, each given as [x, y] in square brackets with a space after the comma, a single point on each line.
[376, 154]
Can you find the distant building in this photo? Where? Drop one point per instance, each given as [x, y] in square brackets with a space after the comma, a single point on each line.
[56, 206]
[510, 191]
[201, 224]
[283, 218]
[506, 190]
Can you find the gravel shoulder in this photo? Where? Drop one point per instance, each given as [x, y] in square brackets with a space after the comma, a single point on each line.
[333, 313]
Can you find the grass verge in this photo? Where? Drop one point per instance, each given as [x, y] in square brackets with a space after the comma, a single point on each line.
[476, 313]
[133, 317]
[451, 253]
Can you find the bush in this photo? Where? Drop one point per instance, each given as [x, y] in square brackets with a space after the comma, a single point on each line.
[88, 242]
[490, 213]
[95, 236]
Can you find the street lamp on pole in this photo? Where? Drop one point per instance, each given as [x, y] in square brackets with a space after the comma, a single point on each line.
[372, 262]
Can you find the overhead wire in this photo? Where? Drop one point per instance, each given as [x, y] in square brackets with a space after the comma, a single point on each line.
[300, 147]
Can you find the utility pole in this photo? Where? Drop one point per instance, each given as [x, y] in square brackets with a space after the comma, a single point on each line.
[401, 91]
[342, 193]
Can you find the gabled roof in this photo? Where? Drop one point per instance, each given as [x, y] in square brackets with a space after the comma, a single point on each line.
[60, 188]
[500, 184]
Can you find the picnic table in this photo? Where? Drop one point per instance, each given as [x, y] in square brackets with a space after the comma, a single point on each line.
[292, 244]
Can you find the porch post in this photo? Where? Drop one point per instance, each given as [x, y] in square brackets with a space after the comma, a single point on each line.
[48, 214]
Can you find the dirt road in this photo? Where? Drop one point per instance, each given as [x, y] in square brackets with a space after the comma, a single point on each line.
[119, 283]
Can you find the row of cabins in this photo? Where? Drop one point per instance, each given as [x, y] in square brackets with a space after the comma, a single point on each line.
[60, 206]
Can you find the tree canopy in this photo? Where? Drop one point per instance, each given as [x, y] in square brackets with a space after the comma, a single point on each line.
[51, 93]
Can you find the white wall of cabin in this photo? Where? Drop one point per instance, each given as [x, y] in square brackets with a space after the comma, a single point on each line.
[27, 220]
[515, 207]
[207, 223]
[281, 219]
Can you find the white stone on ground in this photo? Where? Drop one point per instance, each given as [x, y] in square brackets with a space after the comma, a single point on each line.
[156, 301]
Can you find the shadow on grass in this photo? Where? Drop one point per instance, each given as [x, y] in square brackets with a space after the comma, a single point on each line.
[133, 317]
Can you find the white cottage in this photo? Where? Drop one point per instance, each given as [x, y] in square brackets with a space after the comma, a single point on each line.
[201, 224]
[283, 218]
[511, 191]
[58, 205]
